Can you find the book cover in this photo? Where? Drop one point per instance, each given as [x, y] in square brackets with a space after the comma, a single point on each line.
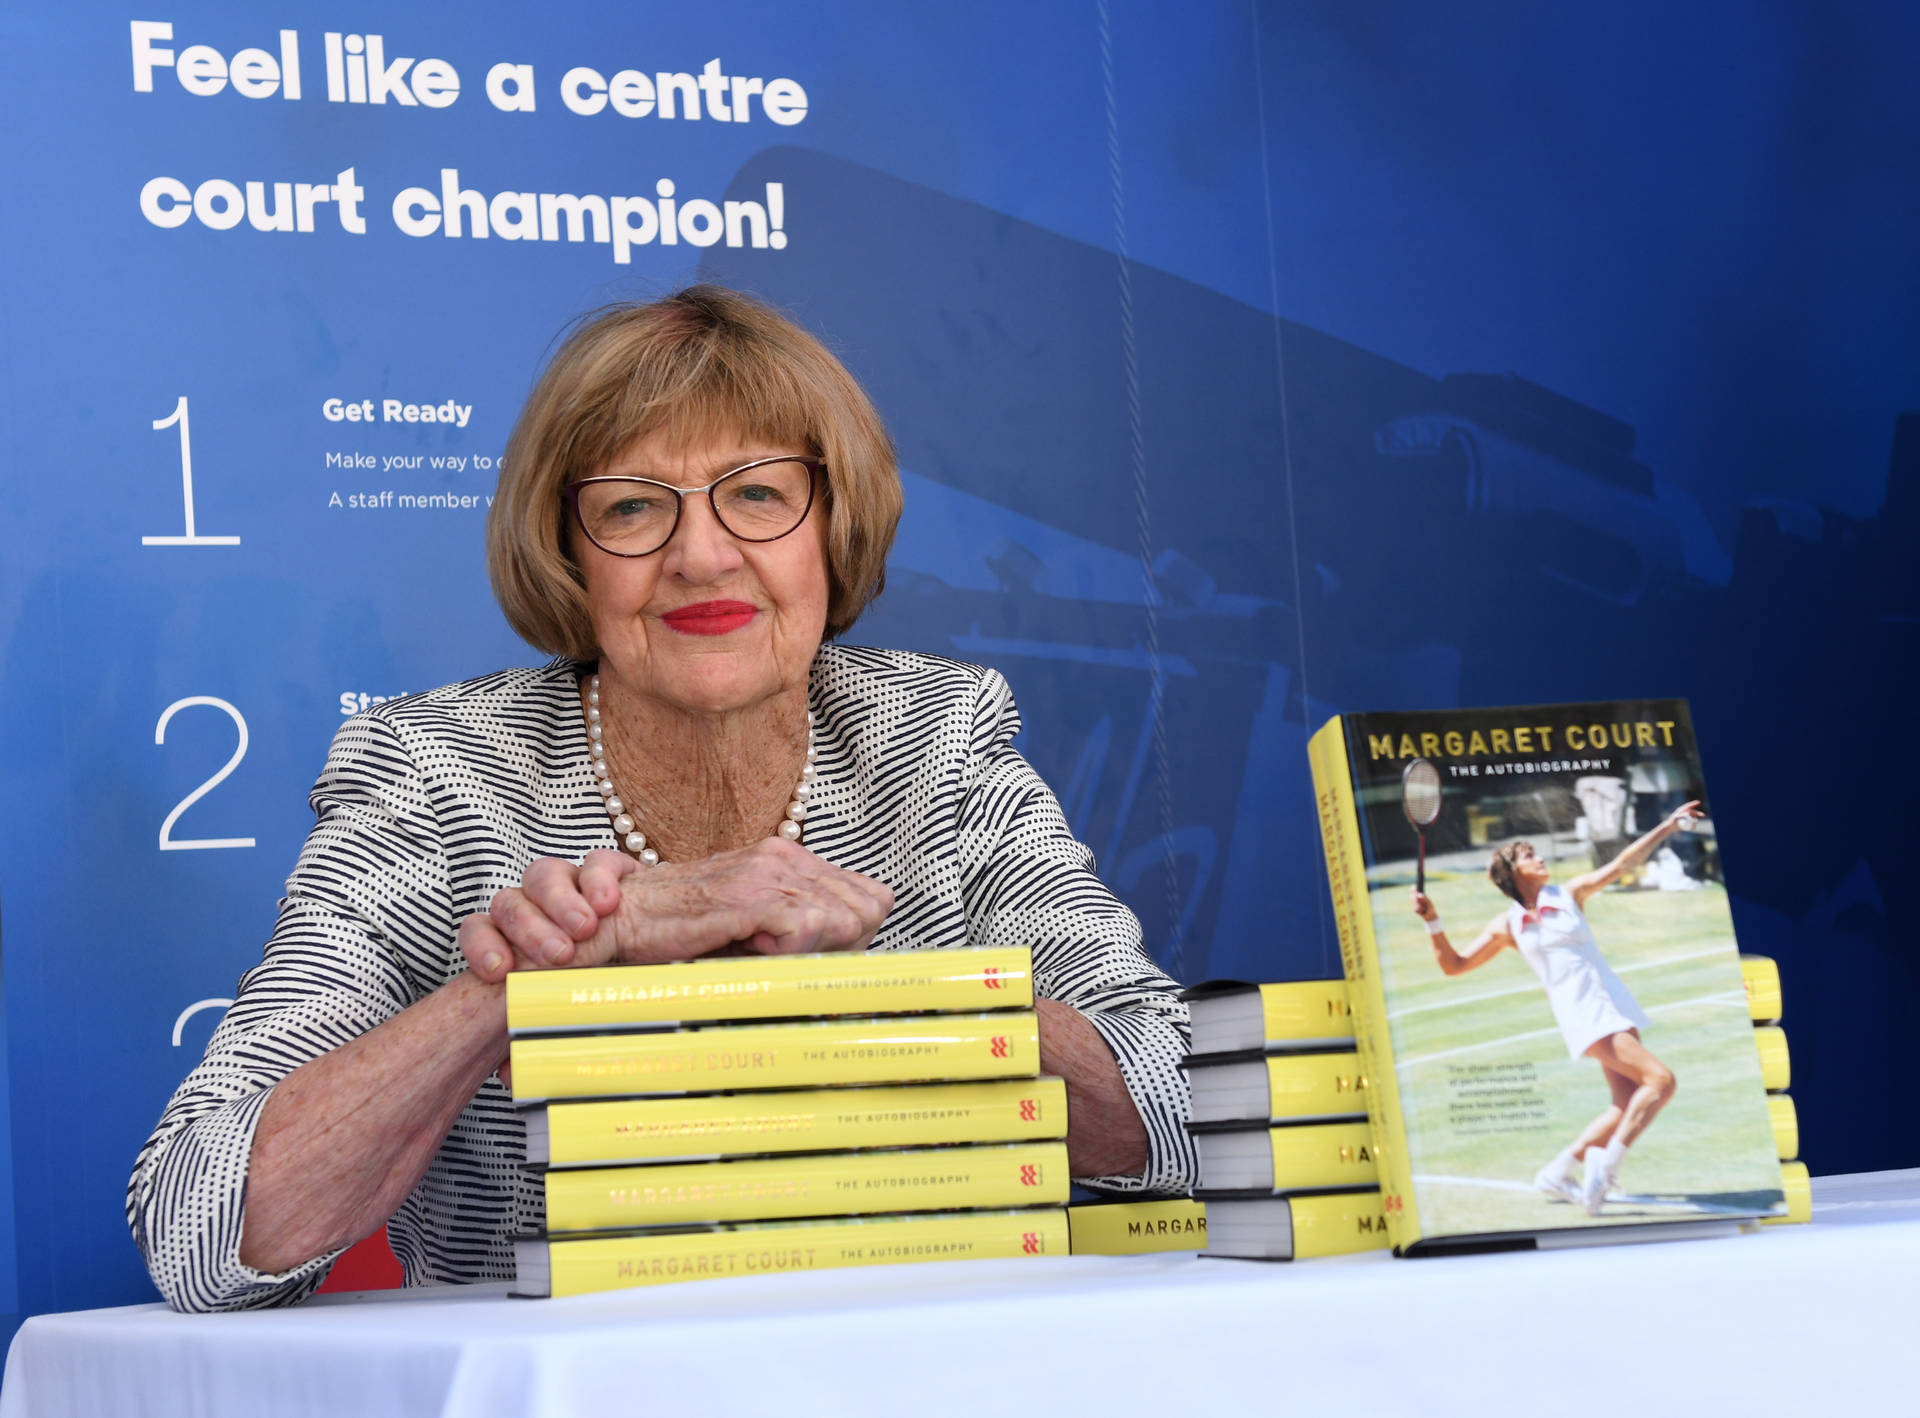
[815, 1184]
[1567, 1043]
[828, 1053]
[584, 1265]
[769, 987]
[1135, 1228]
[597, 1133]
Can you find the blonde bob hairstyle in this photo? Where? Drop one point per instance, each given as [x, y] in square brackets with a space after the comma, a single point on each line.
[706, 363]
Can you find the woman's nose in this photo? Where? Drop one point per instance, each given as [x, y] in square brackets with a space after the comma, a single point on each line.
[700, 549]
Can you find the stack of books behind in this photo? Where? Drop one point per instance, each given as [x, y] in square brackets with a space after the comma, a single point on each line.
[1287, 1170]
[1765, 1005]
[755, 1114]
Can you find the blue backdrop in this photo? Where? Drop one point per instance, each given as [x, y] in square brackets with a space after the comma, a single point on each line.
[1249, 363]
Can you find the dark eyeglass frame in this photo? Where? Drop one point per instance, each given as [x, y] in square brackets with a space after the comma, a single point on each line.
[816, 469]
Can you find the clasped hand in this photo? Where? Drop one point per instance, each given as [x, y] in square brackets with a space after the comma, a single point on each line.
[774, 897]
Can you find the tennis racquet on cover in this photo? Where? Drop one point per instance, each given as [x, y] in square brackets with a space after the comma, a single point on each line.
[1420, 797]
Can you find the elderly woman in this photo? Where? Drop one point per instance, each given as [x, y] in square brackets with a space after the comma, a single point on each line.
[697, 501]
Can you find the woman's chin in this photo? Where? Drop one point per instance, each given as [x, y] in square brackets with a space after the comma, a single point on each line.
[718, 693]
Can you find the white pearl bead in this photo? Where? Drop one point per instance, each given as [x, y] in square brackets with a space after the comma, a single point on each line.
[600, 769]
[593, 716]
[605, 785]
[803, 791]
[790, 830]
[596, 730]
[593, 698]
[636, 841]
[599, 749]
[623, 824]
[614, 806]
[812, 752]
[797, 810]
[650, 857]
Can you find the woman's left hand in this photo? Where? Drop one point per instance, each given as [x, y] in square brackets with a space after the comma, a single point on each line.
[538, 923]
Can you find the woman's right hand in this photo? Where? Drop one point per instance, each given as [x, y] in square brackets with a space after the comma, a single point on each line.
[773, 897]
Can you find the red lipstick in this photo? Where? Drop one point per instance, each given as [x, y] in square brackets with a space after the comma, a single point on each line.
[709, 617]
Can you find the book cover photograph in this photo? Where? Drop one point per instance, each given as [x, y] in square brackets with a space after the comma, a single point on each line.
[1547, 989]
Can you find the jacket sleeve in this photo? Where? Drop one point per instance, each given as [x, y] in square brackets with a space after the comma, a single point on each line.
[367, 914]
[1028, 881]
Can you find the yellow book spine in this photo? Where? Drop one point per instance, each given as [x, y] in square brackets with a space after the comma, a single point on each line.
[582, 1267]
[1301, 1011]
[1797, 1183]
[771, 987]
[1338, 1224]
[1786, 1125]
[919, 1048]
[1135, 1228]
[830, 1184]
[1776, 1066]
[1323, 1155]
[1762, 979]
[805, 1120]
[1315, 1085]
[1360, 960]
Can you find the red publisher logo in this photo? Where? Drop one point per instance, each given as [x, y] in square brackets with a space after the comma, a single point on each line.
[1030, 1176]
[1029, 1110]
[1030, 1243]
[992, 974]
[999, 1046]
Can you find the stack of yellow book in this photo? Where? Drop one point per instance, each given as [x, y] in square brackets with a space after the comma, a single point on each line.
[1280, 1122]
[750, 1114]
[1765, 1005]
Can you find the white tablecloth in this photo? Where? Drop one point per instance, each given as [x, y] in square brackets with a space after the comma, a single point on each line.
[1803, 1320]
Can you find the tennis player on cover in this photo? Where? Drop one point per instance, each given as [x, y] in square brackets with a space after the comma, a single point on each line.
[1599, 1019]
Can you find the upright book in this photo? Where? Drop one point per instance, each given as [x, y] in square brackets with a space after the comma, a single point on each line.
[1547, 995]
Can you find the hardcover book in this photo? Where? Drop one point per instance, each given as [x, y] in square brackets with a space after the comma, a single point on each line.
[1232, 1017]
[769, 987]
[821, 1184]
[597, 1133]
[809, 1054]
[1297, 1227]
[1278, 1088]
[1776, 1065]
[1298, 1157]
[1548, 998]
[1133, 1228]
[584, 1265]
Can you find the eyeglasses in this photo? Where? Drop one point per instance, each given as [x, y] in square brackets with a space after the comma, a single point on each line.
[760, 501]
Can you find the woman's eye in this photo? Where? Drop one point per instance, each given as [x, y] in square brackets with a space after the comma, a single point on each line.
[634, 507]
[757, 492]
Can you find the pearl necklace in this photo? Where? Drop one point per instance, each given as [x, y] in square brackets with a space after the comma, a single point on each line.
[624, 827]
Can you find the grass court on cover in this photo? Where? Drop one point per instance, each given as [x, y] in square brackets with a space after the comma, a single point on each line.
[1711, 1148]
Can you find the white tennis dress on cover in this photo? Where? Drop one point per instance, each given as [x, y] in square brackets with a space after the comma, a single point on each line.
[1588, 1000]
